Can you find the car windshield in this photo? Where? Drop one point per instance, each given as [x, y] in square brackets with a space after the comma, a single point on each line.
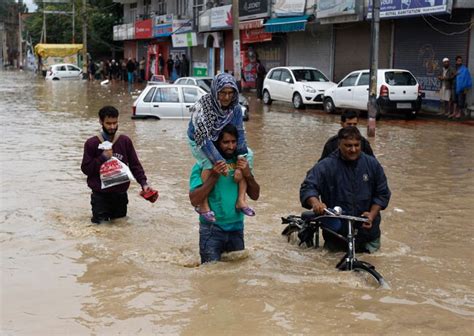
[400, 78]
[309, 75]
[205, 84]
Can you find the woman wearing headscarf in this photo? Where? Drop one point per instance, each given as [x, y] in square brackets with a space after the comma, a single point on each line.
[210, 114]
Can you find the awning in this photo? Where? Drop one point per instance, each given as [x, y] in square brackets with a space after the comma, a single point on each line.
[252, 24]
[57, 50]
[287, 24]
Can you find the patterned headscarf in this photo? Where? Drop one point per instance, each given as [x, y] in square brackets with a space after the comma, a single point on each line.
[208, 116]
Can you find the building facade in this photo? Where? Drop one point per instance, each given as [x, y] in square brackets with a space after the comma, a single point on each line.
[331, 35]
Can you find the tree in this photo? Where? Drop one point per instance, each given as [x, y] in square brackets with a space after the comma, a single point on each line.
[101, 16]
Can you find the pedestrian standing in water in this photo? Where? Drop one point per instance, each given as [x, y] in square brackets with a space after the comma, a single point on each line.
[462, 86]
[177, 67]
[110, 203]
[130, 70]
[170, 66]
[446, 91]
[261, 72]
[184, 66]
[226, 233]
[161, 64]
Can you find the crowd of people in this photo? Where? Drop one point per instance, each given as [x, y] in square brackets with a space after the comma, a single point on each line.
[134, 71]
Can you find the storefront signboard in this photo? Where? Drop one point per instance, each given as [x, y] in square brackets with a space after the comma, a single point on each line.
[144, 29]
[289, 7]
[397, 8]
[221, 17]
[331, 8]
[253, 9]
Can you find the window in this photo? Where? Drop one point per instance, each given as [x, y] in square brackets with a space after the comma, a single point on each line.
[349, 81]
[166, 95]
[182, 8]
[191, 95]
[133, 12]
[72, 68]
[189, 81]
[161, 7]
[364, 79]
[309, 75]
[286, 77]
[62, 68]
[180, 81]
[275, 75]
[205, 84]
[400, 78]
[148, 96]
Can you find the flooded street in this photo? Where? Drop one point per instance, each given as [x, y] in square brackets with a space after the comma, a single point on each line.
[139, 275]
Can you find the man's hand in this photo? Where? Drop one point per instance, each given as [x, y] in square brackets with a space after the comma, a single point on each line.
[145, 187]
[220, 167]
[370, 218]
[317, 206]
[107, 153]
[243, 165]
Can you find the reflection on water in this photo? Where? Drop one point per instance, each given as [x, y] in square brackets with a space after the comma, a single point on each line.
[140, 275]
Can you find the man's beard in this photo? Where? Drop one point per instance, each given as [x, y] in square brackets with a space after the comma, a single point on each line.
[109, 133]
[227, 156]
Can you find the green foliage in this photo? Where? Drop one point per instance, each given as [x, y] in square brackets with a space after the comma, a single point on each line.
[100, 15]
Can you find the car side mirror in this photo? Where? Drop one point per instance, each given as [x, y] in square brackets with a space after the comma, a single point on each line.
[289, 80]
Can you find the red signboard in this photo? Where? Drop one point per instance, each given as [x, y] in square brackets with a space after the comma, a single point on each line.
[144, 29]
[255, 35]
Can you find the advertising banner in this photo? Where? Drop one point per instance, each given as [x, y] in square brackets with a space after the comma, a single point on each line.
[182, 26]
[253, 9]
[184, 40]
[163, 25]
[397, 8]
[221, 17]
[199, 69]
[255, 35]
[144, 29]
[330, 8]
[289, 7]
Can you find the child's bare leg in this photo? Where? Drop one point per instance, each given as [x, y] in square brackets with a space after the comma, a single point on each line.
[239, 179]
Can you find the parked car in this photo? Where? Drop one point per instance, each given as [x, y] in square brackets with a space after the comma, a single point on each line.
[397, 91]
[63, 71]
[205, 84]
[299, 85]
[157, 80]
[166, 101]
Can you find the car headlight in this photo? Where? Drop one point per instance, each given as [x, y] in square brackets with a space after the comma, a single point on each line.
[309, 89]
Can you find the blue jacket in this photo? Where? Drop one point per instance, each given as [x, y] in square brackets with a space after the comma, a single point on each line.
[210, 150]
[353, 185]
[463, 79]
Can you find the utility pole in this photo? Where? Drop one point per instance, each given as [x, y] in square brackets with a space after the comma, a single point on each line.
[374, 65]
[20, 36]
[236, 43]
[73, 22]
[84, 37]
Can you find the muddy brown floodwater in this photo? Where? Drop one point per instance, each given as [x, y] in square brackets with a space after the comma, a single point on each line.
[138, 276]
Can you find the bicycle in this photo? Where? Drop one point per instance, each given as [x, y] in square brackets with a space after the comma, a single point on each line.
[308, 225]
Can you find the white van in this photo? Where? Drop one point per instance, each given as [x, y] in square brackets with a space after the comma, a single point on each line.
[397, 91]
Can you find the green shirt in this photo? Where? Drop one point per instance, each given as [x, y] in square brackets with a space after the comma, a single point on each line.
[222, 198]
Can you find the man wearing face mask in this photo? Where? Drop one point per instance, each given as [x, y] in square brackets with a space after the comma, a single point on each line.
[110, 203]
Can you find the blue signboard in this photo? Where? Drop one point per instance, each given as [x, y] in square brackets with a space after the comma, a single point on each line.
[397, 8]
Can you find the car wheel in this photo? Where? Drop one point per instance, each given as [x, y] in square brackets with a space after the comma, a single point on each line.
[55, 78]
[329, 106]
[298, 101]
[267, 100]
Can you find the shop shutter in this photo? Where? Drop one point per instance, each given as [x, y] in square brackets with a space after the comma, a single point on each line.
[420, 48]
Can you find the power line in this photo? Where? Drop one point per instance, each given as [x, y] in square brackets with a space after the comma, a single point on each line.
[444, 33]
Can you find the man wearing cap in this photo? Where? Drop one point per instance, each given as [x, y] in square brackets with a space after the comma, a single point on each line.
[446, 91]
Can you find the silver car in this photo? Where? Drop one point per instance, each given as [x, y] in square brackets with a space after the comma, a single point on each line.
[205, 84]
[166, 101]
[63, 71]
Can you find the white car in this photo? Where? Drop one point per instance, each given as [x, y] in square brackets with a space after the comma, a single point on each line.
[299, 85]
[397, 91]
[205, 84]
[166, 101]
[63, 71]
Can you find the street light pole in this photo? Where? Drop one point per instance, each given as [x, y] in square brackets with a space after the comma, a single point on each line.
[84, 37]
[374, 64]
[236, 43]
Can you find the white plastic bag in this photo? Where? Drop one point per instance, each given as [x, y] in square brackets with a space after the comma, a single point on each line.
[114, 172]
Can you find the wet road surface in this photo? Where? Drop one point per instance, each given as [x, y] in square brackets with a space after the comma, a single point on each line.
[139, 276]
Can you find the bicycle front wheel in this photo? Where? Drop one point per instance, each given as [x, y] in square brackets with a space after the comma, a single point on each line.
[368, 269]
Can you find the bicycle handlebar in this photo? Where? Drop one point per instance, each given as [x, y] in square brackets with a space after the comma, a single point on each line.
[310, 215]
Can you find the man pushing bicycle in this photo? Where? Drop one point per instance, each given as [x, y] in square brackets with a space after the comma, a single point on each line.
[354, 181]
